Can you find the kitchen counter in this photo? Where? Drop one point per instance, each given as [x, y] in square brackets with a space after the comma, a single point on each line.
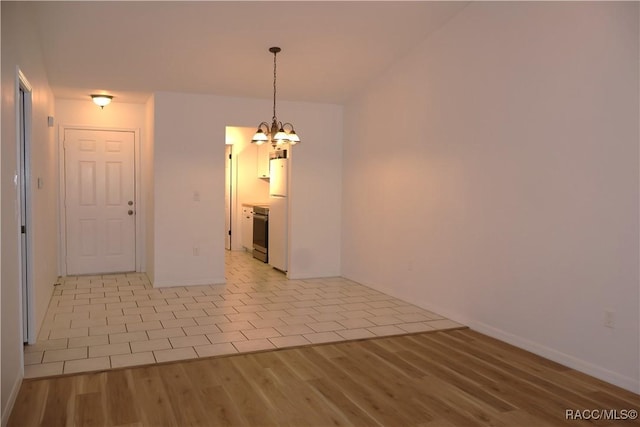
[266, 205]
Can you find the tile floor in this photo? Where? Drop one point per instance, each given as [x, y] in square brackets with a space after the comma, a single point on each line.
[110, 321]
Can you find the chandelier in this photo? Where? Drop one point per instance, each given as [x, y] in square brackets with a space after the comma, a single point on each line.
[278, 133]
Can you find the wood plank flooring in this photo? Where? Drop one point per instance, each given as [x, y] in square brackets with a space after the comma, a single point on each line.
[448, 378]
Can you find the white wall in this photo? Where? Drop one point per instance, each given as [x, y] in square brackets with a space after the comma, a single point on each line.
[492, 176]
[189, 143]
[148, 185]
[20, 47]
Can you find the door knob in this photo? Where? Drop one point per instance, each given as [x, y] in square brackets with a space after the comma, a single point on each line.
[130, 203]
[130, 212]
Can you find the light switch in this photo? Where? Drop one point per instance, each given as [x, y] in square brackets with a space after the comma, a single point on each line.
[196, 196]
[40, 183]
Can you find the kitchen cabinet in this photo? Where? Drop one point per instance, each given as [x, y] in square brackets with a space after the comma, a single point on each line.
[263, 160]
[247, 227]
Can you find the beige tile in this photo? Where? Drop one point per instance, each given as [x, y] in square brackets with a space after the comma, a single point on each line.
[254, 334]
[296, 320]
[294, 329]
[413, 317]
[128, 337]
[68, 333]
[210, 320]
[109, 349]
[243, 317]
[70, 316]
[325, 326]
[220, 311]
[201, 330]
[81, 323]
[175, 354]
[253, 345]
[106, 313]
[327, 317]
[43, 370]
[267, 323]
[356, 323]
[89, 307]
[249, 308]
[170, 307]
[176, 323]
[384, 320]
[136, 359]
[121, 320]
[215, 349]
[139, 310]
[226, 337]
[322, 337]
[189, 341]
[144, 326]
[358, 314]
[275, 314]
[165, 315]
[88, 341]
[289, 341]
[87, 365]
[151, 345]
[382, 311]
[33, 357]
[64, 354]
[189, 313]
[234, 326]
[165, 333]
[105, 330]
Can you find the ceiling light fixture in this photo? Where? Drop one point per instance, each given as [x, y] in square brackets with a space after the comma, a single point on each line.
[278, 133]
[101, 100]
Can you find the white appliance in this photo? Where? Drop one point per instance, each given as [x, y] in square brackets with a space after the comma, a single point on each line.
[278, 210]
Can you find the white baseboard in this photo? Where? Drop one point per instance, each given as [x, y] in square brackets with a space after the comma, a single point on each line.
[6, 412]
[628, 383]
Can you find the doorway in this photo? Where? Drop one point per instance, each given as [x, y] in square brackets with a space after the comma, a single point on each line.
[228, 191]
[24, 106]
[99, 201]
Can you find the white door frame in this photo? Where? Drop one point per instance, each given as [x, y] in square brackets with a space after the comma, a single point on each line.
[27, 300]
[138, 199]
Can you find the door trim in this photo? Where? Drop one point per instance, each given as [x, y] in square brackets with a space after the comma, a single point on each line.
[138, 199]
[27, 301]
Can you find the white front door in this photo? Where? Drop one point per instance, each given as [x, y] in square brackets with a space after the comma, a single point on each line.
[99, 201]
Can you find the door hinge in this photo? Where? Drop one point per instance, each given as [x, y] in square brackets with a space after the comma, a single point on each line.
[229, 232]
[23, 229]
[229, 156]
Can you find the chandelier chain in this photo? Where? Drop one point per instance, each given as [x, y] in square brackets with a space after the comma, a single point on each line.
[274, 86]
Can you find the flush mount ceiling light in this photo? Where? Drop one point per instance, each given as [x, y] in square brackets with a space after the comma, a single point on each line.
[278, 133]
[101, 100]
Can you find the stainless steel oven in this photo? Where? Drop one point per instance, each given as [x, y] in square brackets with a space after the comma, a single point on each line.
[261, 233]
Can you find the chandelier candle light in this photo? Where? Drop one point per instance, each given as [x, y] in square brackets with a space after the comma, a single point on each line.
[279, 133]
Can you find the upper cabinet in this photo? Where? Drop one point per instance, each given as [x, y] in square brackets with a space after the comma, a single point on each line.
[263, 160]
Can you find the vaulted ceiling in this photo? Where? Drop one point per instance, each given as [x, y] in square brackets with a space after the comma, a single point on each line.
[330, 49]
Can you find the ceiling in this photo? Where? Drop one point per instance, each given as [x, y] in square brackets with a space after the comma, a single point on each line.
[330, 49]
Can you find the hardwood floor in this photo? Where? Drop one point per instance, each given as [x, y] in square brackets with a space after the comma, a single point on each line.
[448, 378]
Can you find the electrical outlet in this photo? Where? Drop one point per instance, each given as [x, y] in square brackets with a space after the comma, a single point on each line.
[609, 319]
